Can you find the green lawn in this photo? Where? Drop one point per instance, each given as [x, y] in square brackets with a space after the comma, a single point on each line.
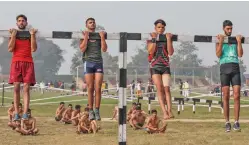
[178, 133]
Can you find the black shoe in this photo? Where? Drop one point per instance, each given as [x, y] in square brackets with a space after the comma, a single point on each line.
[236, 127]
[91, 115]
[97, 115]
[228, 127]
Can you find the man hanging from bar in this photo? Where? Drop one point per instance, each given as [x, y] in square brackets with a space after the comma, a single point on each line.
[93, 66]
[22, 66]
[230, 73]
[159, 53]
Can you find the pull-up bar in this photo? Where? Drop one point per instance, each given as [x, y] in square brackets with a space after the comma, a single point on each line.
[116, 36]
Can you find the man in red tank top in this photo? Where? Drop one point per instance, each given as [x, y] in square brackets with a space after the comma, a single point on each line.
[22, 66]
[159, 53]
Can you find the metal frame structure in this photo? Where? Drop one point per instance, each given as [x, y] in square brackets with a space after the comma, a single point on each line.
[123, 37]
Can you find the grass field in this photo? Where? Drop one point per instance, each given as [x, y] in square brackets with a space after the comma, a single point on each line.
[178, 132]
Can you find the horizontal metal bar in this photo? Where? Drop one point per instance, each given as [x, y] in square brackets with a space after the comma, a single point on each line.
[130, 36]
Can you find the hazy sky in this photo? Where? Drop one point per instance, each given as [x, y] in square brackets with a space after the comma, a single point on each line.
[192, 18]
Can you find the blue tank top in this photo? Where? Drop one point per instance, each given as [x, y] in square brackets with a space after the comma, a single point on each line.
[229, 54]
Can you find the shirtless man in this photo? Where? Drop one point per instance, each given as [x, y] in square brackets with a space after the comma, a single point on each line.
[67, 114]
[115, 113]
[59, 111]
[10, 115]
[11, 111]
[13, 124]
[75, 115]
[28, 127]
[133, 107]
[152, 125]
[138, 119]
[87, 126]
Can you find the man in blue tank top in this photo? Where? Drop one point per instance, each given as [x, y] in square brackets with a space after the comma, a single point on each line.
[93, 66]
[230, 73]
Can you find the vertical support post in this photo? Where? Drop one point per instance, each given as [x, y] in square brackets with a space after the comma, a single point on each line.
[149, 106]
[182, 104]
[77, 79]
[174, 77]
[194, 107]
[3, 94]
[193, 79]
[211, 76]
[178, 106]
[122, 87]
[209, 106]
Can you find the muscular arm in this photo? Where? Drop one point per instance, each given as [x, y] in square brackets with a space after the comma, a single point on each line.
[83, 126]
[77, 116]
[11, 45]
[23, 126]
[33, 125]
[10, 114]
[64, 115]
[103, 45]
[218, 49]
[33, 43]
[57, 112]
[83, 44]
[133, 117]
[239, 49]
[151, 47]
[170, 47]
[114, 113]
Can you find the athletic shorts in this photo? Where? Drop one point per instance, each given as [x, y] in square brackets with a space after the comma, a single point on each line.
[161, 70]
[230, 74]
[93, 67]
[22, 72]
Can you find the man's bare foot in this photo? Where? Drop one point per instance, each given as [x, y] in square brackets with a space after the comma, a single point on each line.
[171, 115]
[166, 117]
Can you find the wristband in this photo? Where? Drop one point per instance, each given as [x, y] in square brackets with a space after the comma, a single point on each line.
[153, 40]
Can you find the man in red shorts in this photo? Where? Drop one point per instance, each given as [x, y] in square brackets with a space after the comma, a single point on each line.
[22, 66]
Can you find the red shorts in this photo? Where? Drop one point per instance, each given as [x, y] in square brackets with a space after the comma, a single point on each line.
[23, 72]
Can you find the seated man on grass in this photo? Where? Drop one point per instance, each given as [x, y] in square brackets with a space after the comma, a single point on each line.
[28, 127]
[152, 125]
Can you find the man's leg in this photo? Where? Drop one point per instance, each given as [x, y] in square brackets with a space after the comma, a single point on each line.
[166, 84]
[236, 83]
[225, 83]
[16, 100]
[12, 125]
[35, 131]
[26, 100]
[236, 95]
[90, 90]
[97, 87]
[94, 126]
[157, 79]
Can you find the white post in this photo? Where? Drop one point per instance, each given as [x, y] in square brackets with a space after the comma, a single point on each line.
[211, 76]
[77, 79]
[174, 77]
